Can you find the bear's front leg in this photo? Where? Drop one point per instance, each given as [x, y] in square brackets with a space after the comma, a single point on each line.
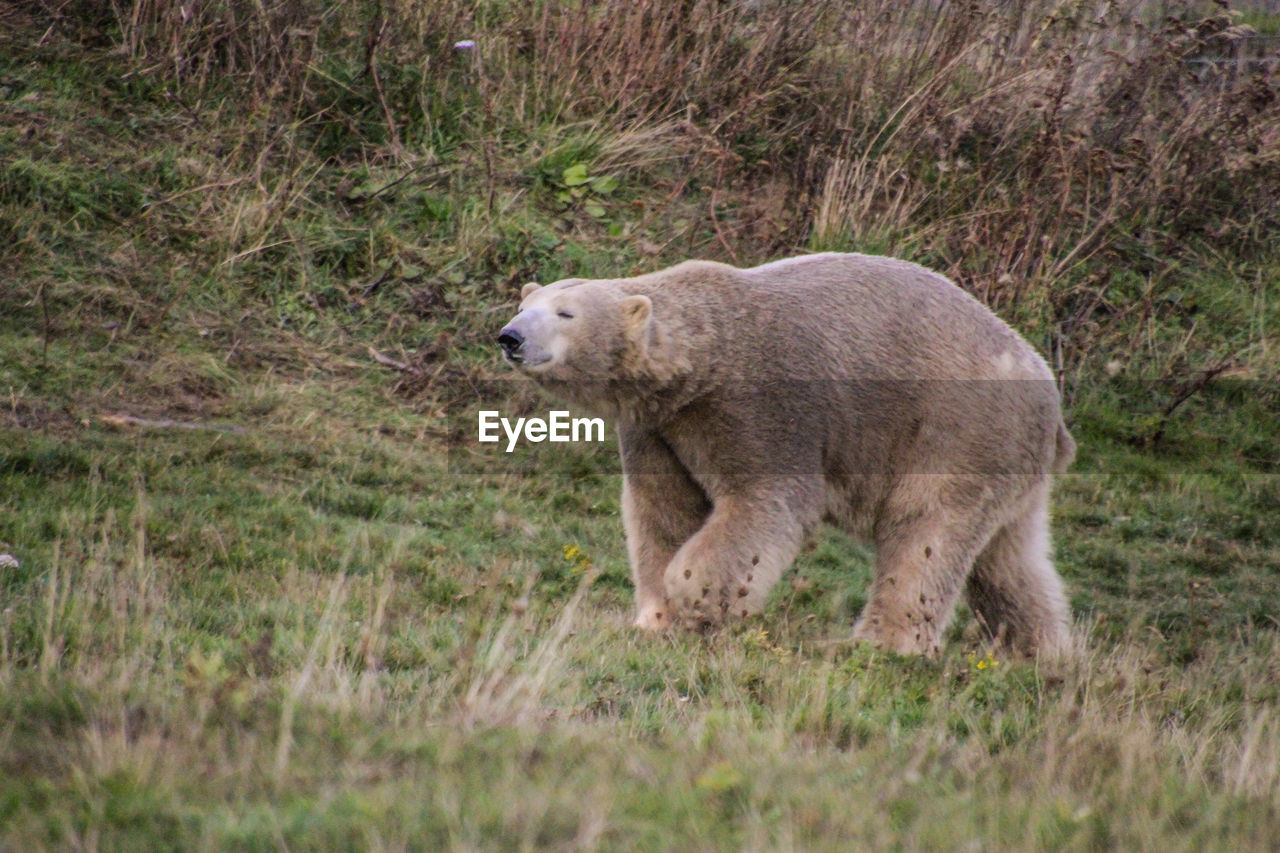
[662, 508]
[728, 568]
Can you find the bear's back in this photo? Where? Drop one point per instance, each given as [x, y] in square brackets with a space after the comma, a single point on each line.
[873, 316]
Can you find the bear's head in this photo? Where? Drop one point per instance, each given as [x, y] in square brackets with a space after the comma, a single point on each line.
[578, 333]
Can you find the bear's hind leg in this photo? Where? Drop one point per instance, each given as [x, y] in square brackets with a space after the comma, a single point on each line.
[925, 548]
[1014, 591]
[913, 595]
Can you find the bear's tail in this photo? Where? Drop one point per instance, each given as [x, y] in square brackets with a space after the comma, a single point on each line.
[1065, 449]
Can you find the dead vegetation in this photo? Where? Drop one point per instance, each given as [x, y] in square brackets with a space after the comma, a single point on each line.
[1012, 143]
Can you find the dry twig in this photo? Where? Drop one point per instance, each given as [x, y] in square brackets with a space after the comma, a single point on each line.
[123, 420]
[388, 361]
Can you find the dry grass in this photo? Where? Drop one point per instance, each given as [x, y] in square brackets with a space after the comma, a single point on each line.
[1013, 145]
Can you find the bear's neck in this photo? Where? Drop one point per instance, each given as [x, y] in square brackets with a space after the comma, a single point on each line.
[635, 398]
[649, 387]
[661, 378]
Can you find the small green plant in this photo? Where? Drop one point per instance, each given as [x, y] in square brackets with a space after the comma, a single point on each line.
[590, 191]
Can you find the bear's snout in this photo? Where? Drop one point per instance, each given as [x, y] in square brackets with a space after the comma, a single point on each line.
[510, 340]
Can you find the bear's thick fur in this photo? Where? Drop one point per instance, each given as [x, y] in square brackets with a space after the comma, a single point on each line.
[864, 391]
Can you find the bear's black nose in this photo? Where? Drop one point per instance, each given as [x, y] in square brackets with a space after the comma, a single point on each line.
[510, 341]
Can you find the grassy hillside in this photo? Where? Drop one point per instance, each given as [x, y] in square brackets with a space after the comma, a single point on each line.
[262, 589]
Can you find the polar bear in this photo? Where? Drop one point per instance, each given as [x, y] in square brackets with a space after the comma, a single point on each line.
[867, 392]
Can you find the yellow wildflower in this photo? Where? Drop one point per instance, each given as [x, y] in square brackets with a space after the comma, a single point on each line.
[986, 662]
[581, 562]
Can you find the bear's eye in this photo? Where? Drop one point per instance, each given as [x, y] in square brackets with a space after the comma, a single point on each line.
[564, 314]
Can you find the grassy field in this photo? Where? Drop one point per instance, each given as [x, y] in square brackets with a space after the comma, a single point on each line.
[261, 589]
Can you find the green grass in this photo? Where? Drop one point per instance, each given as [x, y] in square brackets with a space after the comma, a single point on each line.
[225, 642]
[316, 635]
[270, 594]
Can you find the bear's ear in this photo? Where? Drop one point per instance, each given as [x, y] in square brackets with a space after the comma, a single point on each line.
[635, 313]
[529, 288]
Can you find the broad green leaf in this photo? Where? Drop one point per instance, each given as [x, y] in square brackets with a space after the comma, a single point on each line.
[604, 184]
[575, 175]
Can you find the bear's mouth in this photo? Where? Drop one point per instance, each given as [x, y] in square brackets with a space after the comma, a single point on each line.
[520, 359]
